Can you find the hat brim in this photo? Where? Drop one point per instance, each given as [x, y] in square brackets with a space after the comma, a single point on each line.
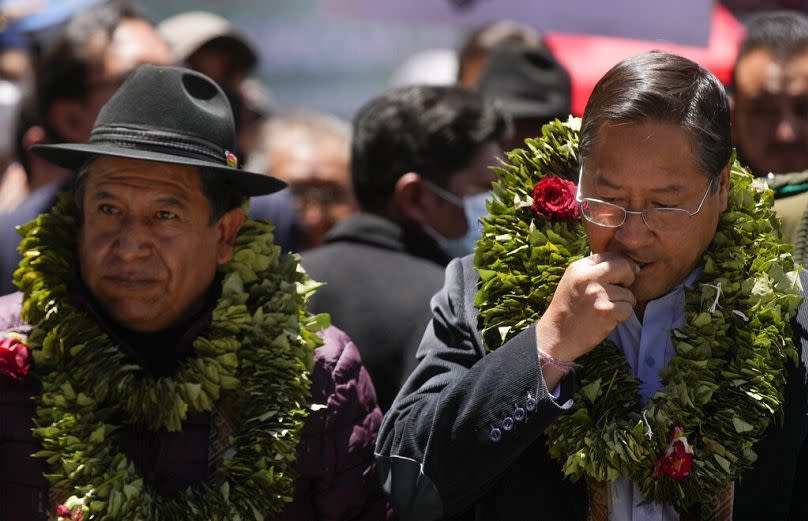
[73, 156]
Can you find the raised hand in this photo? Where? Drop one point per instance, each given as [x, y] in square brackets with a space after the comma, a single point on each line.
[591, 299]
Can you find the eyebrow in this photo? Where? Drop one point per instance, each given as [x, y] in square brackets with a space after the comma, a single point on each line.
[103, 195]
[167, 201]
[171, 201]
[669, 189]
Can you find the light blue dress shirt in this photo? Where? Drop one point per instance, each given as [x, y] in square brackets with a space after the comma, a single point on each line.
[648, 350]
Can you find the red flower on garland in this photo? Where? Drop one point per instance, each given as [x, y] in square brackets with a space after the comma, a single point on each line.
[64, 512]
[677, 459]
[15, 360]
[554, 198]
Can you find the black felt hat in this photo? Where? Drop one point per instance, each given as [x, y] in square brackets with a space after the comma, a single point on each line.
[168, 115]
[527, 82]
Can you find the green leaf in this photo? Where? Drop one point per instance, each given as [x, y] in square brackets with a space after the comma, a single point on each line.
[98, 434]
[723, 462]
[741, 426]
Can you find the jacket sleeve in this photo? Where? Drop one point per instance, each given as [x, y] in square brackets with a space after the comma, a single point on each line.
[462, 418]
[797, 406]
[337, 478]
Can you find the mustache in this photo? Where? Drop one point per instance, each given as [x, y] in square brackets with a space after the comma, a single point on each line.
[121, 272]
[639, 256]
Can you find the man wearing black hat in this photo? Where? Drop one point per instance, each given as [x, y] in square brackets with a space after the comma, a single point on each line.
[164, 338]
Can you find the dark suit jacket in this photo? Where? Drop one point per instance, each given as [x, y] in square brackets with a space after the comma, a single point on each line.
[379, 279]
[446, 445]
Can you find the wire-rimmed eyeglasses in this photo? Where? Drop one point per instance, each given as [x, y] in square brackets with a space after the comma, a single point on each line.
[658, 219]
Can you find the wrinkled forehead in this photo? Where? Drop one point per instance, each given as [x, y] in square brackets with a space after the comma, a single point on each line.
[142, 177]
[653, 154]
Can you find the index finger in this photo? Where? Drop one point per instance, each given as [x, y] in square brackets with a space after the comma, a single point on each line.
[614, 268]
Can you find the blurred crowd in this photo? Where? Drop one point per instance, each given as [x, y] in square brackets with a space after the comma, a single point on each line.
[377, 206]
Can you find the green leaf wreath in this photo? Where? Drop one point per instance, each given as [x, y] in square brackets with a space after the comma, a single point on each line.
[726, 380]
[255, 355]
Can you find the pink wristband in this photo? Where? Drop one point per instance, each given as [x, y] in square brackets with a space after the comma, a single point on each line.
[546, 359]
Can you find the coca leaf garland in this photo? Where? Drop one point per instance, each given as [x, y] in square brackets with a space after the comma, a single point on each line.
[726, 380]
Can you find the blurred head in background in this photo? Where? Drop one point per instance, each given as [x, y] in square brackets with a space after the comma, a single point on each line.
[421, 157]
[480, 43]
[529, 85]
[87, 61]
[770, 94]
[77, 69]
[311, 152]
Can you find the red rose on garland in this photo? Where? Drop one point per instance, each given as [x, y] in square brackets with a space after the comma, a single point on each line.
[554, 198]
[64, 512]
[677, 459]
[15, 359]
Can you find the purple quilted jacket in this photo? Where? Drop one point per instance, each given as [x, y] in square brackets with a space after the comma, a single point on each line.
[336, 474]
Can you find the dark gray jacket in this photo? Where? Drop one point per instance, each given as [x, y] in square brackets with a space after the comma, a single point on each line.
[378, 282]
[464, 438]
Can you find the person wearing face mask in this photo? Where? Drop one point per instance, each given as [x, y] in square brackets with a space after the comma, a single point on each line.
[473, 209]
[420, 167]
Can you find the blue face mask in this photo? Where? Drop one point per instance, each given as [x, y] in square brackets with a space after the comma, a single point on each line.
[474, 209]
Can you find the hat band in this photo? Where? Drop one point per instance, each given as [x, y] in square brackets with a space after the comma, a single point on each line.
[158, 141]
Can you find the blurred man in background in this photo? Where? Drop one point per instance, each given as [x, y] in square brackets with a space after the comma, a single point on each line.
[420, 159]
[770, 115]
[310, 151]
[76, 74]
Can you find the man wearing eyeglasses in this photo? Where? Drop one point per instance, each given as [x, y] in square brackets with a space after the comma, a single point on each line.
[471, 433]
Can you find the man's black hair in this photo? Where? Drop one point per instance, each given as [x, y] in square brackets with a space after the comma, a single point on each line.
[783, 33]
[433, 131]
[662, 87]
[221, 196]
[65, 65]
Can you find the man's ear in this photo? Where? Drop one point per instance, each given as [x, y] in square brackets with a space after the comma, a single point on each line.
[733, 117]
[723, 188]
[409, 198]
[228, 225]
[68, 119]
